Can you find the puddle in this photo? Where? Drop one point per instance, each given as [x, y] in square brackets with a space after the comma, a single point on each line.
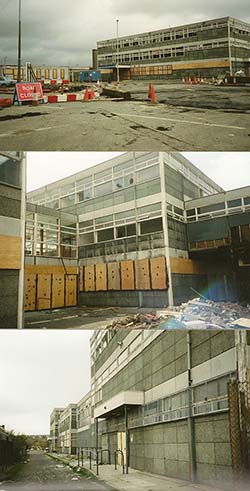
[20, 116]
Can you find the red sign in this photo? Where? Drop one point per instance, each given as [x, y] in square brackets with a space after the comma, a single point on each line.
[25, 91]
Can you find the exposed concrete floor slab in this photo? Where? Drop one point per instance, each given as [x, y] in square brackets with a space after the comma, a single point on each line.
[194, 118]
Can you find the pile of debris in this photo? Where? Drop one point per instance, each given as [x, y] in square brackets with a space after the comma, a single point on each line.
[137, 321]
[206, 314]
[198, 313]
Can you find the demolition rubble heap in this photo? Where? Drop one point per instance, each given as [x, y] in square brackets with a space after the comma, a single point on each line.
[195, 314]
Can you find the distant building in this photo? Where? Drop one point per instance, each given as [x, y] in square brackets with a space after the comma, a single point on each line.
[210, 48]
[67, 430]
[54, 429]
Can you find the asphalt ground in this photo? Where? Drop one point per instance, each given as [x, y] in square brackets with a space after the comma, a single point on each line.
[42, 473]
[187, 118]
[78, 317]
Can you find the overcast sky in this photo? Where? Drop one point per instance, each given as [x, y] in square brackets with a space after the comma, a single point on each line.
[41, 370]
[228, 169]
[63, 32]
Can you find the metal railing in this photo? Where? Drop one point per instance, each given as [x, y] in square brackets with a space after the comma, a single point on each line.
[116, 453]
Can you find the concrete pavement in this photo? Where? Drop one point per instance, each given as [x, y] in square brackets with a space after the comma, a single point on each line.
[187, 118]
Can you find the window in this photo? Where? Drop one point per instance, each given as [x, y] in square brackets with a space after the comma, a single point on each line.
[10, 171]
[148, 173]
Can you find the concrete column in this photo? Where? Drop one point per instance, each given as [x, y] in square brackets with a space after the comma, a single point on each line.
[191, 431]
[21, 292]
[242, 357]
[165, 228]
[97, 445]
[126, 438]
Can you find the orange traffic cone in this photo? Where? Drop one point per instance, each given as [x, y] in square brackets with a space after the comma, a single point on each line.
[152, 96]
[92, 94]
[35, 101]
[86, 94]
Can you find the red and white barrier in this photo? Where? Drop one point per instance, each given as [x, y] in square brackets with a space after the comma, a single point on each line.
[56, 98]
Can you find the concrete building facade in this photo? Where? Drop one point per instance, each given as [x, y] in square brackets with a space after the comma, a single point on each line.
[54, 429]
[131, 231]
[163, 400]
[12, 238]
[210, 48]
[67, 425]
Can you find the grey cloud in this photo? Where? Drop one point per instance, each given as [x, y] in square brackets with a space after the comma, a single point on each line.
[62, 32]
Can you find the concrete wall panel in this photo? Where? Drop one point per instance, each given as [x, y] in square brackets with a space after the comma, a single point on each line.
[127, 275]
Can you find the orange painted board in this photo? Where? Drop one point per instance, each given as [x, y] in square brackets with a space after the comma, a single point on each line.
[127, 275]
[158, 273]
[114, 281]
[10, 252]
[71, 290]
[43, 291]
[57, 291]
[30, 292]
[89, 278]
[142, 274]
[101, 277]
[186, 266]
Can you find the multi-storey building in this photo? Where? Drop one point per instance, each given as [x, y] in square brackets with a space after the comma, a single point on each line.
[208, 48]
[130, 233]
[12, 238]
[169, 402]
[54, 429]
[67, 430]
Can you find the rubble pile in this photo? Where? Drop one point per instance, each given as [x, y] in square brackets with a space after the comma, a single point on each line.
[206, 314]
[195, 314]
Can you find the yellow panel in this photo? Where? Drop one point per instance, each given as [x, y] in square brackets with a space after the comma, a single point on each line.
[71, 290]
[114, 282]
[186, 266]
[10, 252]
[201, 64]
[127, 275]
[142, 274]
[158, 273]
[43, 291]
[47, 269]
[101, 277]
[57, 291]
[30, 292]
[89, 278]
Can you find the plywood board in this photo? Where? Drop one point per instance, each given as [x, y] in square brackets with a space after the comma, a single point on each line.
[142, 274]
[127, 275]
[71, 290]
[89, 278]
[114, 282]
[10, 252]
[158, 273]
[81, 279]
[30, 292]
[43, 291]
[57, 291]
[186, 266]
[101, 277]
[47, 269]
